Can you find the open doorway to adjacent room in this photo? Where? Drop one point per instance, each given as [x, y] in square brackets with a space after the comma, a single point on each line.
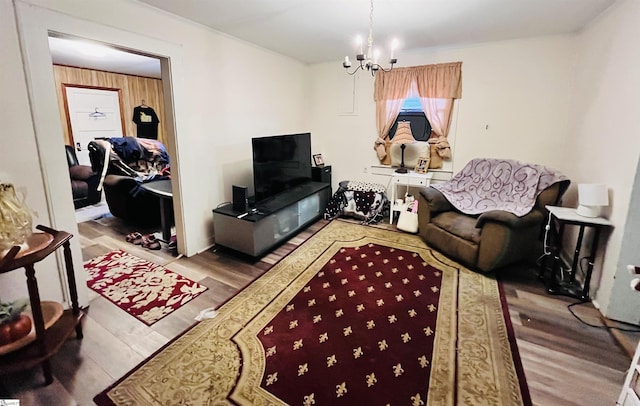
[111, 101]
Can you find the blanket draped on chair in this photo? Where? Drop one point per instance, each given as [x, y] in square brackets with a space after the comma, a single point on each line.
[498, 184]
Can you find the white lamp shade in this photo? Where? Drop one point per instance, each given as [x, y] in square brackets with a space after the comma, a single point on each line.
[592, 196]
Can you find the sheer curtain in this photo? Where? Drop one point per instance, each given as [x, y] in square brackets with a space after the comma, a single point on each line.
[436, 85]
[389, 94]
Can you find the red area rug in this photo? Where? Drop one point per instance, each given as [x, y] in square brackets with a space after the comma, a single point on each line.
[367, 319]
[354, 316]
[145, 290]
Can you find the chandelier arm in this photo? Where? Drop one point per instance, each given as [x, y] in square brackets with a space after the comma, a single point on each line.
[354, 71]
[380, 67]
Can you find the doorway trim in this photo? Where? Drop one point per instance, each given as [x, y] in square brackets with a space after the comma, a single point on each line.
[34, 25]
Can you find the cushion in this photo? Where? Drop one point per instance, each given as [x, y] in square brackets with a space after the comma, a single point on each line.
[403, 133]
[459, 225]
[412, 151]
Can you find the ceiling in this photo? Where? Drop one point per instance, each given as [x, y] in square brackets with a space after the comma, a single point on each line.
[315, 31]
[81, 53]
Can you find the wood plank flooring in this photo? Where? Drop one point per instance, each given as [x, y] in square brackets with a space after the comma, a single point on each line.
[565, 361]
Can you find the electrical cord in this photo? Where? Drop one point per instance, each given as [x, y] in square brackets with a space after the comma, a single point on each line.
[595, 325]
[569, 307]
[545, 242]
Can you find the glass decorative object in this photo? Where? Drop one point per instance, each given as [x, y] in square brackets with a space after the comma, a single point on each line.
[15, 217]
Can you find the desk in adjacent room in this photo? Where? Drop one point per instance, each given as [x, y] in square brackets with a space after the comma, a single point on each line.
[162, 189]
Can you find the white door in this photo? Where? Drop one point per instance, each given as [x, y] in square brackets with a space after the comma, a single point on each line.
[93, 113]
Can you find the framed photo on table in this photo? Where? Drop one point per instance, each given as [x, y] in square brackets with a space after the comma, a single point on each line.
[317, 159]
[422, 165]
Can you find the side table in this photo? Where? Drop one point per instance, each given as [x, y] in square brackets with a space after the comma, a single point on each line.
[162, 189]
[406, 179]
[48, 340]
[557, 283]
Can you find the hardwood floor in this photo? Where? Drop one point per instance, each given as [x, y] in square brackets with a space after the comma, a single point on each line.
[565, 361]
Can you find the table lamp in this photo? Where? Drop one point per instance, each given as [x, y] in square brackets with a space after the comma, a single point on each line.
[591, 197]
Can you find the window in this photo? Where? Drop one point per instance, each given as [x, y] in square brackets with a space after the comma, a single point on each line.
[412, 111]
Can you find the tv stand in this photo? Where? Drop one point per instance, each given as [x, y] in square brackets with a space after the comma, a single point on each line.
[272, 221]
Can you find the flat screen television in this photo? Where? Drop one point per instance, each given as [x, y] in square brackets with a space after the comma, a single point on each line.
[280, 162]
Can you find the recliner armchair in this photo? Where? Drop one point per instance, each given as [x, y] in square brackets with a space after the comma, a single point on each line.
[492, 238]
[84, 181]
[123, 193]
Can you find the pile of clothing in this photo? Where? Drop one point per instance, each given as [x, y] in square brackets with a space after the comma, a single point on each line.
[361, 200]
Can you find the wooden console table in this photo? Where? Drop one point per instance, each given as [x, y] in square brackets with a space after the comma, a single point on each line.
[47, 340]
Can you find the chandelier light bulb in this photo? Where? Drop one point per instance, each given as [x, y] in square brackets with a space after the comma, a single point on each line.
[394, 45]
[359, 44]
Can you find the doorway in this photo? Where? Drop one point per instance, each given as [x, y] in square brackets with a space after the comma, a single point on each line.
[92, 113]
[35, 25]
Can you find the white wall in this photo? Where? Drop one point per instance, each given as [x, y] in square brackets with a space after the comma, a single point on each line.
[604, 134]
[225, 92]
[18, 154]
[519, 88]
[569, 102]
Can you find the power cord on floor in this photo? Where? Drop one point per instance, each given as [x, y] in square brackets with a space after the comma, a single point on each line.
[545, 243]
[569, 307]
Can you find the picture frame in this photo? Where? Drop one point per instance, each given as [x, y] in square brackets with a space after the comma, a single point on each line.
[317, 160]
[422, 166]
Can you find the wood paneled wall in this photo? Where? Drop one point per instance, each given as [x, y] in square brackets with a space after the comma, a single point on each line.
[134, 89]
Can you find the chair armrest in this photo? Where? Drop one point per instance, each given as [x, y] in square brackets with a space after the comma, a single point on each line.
[80, 172]
[511, 220]
[435, 200]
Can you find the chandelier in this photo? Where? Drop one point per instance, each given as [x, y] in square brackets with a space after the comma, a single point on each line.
[369, 61]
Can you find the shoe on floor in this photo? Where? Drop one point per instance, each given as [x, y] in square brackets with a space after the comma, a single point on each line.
[150, 242]
[134, 238]
[173, 243]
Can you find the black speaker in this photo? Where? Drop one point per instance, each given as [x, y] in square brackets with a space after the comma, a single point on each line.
[240, 199]
[321, 174]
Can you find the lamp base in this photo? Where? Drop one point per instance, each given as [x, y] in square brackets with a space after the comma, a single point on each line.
[588, 211]
[402, 170]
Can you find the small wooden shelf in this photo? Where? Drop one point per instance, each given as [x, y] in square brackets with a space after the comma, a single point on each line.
[51, 312]
[30, 355]
[54, 329]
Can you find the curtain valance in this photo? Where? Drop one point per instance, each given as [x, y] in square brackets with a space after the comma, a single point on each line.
[441, 81]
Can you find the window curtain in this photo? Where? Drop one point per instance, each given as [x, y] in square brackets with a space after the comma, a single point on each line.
[395, 89]
[436, 85]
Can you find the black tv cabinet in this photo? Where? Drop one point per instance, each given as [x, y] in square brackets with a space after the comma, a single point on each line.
[271, 222]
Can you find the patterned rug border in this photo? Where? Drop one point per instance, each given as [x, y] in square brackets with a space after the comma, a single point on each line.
[103, 398]
[515, 351]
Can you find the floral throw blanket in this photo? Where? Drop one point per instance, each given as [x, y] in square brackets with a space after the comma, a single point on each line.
[498, 184]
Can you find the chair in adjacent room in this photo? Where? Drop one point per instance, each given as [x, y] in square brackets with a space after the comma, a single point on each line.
[125, 197]
[84, 181]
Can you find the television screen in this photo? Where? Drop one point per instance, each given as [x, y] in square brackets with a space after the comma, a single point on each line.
[279, 163]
